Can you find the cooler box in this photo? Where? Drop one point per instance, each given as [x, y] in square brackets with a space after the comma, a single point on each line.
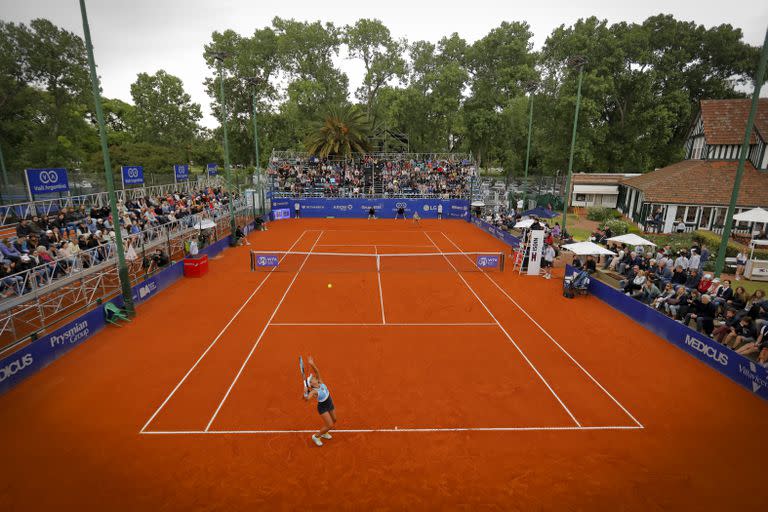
[196, 266]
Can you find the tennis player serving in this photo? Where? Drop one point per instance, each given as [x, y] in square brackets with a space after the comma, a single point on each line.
[325, 408]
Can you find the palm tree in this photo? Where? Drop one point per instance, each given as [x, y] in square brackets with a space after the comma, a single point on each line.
[341, 131]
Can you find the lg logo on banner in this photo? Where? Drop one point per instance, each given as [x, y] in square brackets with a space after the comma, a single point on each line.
[49, 177]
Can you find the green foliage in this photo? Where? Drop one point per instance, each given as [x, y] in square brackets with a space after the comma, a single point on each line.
[340, 132]
[600, 214]
[618, 227]
[713, 240]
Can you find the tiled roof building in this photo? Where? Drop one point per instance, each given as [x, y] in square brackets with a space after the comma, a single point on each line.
[697, 191]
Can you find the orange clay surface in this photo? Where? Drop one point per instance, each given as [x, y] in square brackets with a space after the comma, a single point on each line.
[532, 430]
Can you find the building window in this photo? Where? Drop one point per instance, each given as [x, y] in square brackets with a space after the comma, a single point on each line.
[690, 213]
[698, 148]
[581, 197]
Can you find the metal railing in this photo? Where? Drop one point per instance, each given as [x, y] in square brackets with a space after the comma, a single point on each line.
[68, 285]
[11, 213]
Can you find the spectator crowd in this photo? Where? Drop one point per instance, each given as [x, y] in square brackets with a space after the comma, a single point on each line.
[47, 247]
[396, 175]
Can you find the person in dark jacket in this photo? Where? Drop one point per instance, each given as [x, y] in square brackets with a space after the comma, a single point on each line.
[693, 279]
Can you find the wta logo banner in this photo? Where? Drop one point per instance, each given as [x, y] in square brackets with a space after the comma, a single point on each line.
[267, 260]
[47, 181]
[132, 174]
[488, 261]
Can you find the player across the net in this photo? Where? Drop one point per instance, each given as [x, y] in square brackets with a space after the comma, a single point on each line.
[292, 261]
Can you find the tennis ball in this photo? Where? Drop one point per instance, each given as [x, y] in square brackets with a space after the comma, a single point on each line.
[330, 285]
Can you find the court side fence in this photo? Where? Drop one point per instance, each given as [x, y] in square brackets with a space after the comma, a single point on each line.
[27, 359]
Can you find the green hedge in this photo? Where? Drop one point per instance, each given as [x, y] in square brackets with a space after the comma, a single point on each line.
[618, 227]
[712, 241]
[601, 214]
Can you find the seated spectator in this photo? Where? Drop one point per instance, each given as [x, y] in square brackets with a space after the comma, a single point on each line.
[23, 229]
[636, 282]
[648, 293]
[672, 306]
[665, 295]
[760, 343]
[743, 332]
[725, 325]
[703, 312]
[591, 264]
[679, 277]
[704, 283]
[692, 282]
[723, 292]
[681, 260]
[687, 305]
[9, 251]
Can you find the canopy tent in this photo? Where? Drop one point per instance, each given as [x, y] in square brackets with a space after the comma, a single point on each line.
[587, 249]
[631, 239]
[540, 212]
[755, 215]
[524, 224]
[478, 204]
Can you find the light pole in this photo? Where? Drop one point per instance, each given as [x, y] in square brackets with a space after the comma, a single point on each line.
[254, 82]
[122, 268]
[720, 262]
[219, 57]
[574, 62]
[530, 88]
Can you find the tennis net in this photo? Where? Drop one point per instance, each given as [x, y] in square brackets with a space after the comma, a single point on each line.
[293, 261]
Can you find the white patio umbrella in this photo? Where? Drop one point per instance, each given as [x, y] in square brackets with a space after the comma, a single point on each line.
[524, 224]
[587, 249]
[754, 215]
[631, 239]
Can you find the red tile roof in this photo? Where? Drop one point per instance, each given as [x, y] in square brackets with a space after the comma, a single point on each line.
[586, 178]
[705, 182]
[726, 120]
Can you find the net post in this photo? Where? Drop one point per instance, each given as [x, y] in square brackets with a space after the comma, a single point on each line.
[501, 262]
[253, 264]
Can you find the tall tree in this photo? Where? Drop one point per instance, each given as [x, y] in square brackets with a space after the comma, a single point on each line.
[164, 113]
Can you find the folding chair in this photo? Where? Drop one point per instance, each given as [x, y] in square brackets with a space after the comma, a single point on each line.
[113, 313]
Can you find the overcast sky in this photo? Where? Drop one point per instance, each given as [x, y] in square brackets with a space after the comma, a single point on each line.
[136, 36]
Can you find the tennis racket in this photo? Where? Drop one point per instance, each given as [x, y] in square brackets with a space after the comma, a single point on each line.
[303, 376]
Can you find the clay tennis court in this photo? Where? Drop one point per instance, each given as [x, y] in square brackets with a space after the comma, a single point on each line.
[454, 387]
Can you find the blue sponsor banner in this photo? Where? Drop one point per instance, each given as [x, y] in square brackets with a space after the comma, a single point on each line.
[734, 366]
[40, 353]
[213, 169]
[499, 233]
[385, 208]
[47, 181]
[181, 172]
[281, 213]
[267, 260]
[133, 174]
[488, 261]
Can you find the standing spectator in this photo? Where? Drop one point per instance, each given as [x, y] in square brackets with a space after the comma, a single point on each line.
[400, 212]
[297, 210]
[439, 210]
[371, 213]
[548, 259]
[681, 261]
[704, 256]
[694, 262]
[741, 262]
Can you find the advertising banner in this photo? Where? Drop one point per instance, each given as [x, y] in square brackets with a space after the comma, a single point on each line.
[267, 260]
[132, 175]
[213, 169]
[181, 172]
[535, 251]
[385, 208]
[488, 261]
[735, 366]
[46, 181]
[281, 213]
[42, 352]
[499, 233]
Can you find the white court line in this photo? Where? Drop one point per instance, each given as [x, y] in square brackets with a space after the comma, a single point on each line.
[381, 294]
[216, 339]
[371, 245]
[261, 335]
[508, 336]
[376, 325]
[553, 340]
[397, 430]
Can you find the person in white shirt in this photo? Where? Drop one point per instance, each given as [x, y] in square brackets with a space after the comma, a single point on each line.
[297, 210]
[547, 261]
[681, 261]
[695, 260]
[439, 211]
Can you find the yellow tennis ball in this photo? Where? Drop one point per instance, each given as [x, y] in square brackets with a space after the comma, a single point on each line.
[330, 285]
